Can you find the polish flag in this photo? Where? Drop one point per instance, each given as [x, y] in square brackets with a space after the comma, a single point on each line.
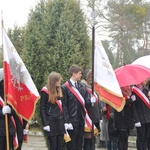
[20, 91]
[105, 82]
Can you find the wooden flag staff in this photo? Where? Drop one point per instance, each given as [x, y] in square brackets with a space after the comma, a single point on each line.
[5, 100]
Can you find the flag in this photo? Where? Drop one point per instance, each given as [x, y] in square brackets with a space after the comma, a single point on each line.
[105, 81]
[21, 93]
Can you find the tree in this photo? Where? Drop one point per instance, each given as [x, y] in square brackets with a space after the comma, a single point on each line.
[126, 20]
[56, 37]
[16, 36]
[35, 48]
[72, 39]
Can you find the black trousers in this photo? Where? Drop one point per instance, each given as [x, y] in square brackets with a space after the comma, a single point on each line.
[141, 142]
[56, 142]
[88, 144]
[76, 136]
[148, 136]
[123, 139]
[3, 142]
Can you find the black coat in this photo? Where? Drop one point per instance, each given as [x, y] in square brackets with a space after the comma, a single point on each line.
[125, 118]
[20, 126]
[74, 112]
[51, 115]
[142, 111]
[2, 117]
[2, 124]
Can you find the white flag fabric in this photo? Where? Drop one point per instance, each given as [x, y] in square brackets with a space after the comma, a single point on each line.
[105, 81]
[20, 90]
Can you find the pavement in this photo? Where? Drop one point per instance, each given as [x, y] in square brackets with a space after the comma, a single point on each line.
[36, 141]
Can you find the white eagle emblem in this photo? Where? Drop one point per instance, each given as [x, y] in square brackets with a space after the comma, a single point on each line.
[18, 76]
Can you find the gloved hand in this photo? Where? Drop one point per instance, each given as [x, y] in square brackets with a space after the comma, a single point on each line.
[66, 126]
[138, 124]
[133, 97]
[93, 99]
[25, 131]
[46, 128]
[6, 110]
[70, 126]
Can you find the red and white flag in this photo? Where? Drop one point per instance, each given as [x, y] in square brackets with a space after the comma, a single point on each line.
[105, 81]
[21, 92]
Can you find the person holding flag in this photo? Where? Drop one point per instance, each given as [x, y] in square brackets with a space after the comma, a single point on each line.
[75, 98]
[5, 109]
[94, 112]
[51, 111]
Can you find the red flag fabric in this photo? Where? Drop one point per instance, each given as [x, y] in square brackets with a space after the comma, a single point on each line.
[21, 92]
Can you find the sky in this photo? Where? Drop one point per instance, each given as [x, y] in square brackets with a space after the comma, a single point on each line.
[15, 11]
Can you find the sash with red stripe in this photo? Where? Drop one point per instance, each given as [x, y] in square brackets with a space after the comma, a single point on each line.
[58, 102]
[141, 95]
[88, 121]
[94, 94]
[15, 140]
[108, 112]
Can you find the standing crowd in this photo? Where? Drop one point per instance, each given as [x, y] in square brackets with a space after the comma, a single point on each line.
[74, 110]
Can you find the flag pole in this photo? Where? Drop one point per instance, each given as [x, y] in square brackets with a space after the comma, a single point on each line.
[5, 101]
[93, 49]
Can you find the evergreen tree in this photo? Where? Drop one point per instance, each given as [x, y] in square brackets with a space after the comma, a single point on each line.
[72, 42]
[35, 48]
[16, 36]
[55, 38]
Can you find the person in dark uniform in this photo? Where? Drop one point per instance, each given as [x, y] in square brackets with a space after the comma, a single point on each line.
[142, 119]
[94, 112]
[5, 109]
[148, 126]
[74, 108]
[51, 111]
[124, 120]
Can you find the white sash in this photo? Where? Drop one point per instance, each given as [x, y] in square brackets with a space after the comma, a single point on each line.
[88, 121]
[141, 95]
[94, 94]
[58, 102]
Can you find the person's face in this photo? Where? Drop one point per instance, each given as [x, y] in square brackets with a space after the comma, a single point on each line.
[77, 76]
[126, 90]
[58, 83]
[141, 84]
[89, 78]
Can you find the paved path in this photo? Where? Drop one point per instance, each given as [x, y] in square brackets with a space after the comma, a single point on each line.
[38, 143]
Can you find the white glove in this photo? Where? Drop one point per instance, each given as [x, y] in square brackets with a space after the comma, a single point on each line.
[93, 99]
[25, 132]
[6, 110]
[46, 128]
[66, 126]
[133, 97]
[70, 127]
[138, 124]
